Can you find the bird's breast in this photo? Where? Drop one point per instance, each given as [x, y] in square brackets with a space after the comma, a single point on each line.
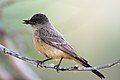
[48, 50]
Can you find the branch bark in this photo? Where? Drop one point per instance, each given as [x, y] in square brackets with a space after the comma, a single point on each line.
[7, 51]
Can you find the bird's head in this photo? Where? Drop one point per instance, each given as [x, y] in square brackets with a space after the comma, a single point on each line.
[37, 19]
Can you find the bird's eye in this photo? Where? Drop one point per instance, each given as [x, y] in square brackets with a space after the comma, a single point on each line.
[35, 20]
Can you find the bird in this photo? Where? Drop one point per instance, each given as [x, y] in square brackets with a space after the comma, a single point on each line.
[49, 41]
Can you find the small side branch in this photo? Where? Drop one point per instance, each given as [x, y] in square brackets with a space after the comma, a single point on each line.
[7, 51]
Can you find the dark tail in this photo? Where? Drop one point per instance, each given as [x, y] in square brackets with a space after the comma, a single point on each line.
[85, 64]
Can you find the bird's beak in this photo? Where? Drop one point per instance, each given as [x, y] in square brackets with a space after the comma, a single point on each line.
[26, 22]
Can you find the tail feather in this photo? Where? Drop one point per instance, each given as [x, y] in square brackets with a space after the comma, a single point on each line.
[85, 64]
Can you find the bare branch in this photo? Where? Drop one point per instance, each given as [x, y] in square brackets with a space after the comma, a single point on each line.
[51, 66]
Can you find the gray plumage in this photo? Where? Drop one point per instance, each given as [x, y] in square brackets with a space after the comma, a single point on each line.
[46, 32]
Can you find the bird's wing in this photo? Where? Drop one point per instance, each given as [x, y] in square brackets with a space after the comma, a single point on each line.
[55, 39]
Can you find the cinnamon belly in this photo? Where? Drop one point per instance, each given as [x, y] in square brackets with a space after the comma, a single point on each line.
[48, 50]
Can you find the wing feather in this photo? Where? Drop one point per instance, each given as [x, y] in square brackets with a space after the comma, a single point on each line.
[55, 39]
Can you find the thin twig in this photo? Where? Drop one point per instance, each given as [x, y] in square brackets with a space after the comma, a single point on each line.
[51, 66]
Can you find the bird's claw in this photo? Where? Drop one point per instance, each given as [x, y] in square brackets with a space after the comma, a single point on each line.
[39, 62]
[56, 67]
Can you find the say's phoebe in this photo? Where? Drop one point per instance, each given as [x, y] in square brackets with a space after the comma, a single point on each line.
[50, 42]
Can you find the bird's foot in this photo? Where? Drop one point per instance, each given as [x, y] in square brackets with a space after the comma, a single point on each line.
[56, 67]
[39, 62]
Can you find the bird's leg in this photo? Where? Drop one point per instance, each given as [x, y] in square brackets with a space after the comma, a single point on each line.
[41, 62]
[57, 66]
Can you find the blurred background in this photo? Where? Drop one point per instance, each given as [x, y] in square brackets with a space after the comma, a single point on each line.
[92, 27]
